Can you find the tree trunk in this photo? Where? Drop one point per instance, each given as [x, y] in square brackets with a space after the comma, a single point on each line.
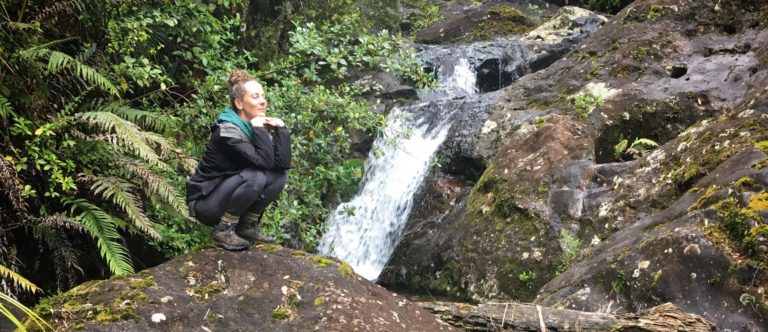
[530, 317]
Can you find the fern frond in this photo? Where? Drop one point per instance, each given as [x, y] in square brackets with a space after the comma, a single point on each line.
[60, 221]
[189, 164]
[157, 186]
[11, 186]
[41, 50]
[63, 7]
[5, 108]
[128, 136]
[18, 279]
[118, 192]
[160, 143]
[644, 143]
[150, 120]
[65, 257]
[75, 102]
[102, 227]
[40, 322]
[58, 61]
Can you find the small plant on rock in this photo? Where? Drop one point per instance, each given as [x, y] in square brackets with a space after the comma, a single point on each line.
[640, 147]
[526, 276]
[571, 246]
[585, 103]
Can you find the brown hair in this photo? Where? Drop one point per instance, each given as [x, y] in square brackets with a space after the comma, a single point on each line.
[237, 80]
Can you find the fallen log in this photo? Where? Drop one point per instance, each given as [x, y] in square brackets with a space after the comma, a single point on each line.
[530, 317]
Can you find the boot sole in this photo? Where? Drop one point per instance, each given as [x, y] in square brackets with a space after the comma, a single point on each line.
[231, 248]
[253, 241]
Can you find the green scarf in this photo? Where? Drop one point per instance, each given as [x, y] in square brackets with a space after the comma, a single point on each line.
[229, 115]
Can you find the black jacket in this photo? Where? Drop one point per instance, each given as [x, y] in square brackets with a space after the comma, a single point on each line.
[230, 151]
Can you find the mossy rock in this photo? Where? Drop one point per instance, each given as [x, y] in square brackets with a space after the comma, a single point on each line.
[267, 287]
[501, 21]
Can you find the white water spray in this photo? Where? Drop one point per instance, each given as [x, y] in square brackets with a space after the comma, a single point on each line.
[365, 231]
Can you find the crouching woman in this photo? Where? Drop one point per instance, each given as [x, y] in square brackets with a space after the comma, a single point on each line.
[242, 169]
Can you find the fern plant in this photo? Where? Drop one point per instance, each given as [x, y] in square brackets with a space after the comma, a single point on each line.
[639, 148]
[120, 163]
[6, 301]
[103, 227]
[59, 62]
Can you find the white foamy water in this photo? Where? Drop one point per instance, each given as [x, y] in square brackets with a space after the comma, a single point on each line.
[459, 79]
[365, 230]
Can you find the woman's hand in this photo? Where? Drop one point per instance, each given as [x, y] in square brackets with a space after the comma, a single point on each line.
[273, 122]
[258, 121]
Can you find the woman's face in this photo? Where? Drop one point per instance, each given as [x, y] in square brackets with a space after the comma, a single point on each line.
[254, 102]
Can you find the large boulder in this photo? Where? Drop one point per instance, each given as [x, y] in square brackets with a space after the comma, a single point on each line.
[691, 253]
[467, 21]
[465, 153]
[574, 183]
[266, 288]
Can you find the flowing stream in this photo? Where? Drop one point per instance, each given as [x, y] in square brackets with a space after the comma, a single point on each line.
[365, 230]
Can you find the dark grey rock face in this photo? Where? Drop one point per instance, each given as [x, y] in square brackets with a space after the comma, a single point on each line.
[567, 214]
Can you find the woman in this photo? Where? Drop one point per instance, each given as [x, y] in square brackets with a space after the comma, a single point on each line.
[242, 169]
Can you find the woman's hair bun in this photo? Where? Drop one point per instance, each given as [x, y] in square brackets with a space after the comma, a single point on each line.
[238, 76]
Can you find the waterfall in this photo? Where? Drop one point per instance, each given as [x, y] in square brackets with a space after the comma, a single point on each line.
[365, 230]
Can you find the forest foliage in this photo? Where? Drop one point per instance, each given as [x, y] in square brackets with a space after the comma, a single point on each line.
[106, 106]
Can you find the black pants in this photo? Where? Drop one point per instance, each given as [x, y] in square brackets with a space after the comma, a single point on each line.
[250, 190]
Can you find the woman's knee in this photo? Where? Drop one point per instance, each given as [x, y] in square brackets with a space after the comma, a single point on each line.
[277, 179]
[276, 183]
[254, 179]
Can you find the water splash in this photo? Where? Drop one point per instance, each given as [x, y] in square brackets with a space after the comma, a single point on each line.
[365, 230]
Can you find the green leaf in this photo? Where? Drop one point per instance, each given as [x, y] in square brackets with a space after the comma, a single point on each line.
[18, 279]
[6, 108]
[119, 192]
[101, 226]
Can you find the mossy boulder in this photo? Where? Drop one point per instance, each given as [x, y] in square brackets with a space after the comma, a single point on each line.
[475, 21]
[266, 288]
[706, 252]
[501, 246]
[689, 77]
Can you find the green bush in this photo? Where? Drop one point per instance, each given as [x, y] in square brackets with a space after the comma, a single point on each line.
[107, 105]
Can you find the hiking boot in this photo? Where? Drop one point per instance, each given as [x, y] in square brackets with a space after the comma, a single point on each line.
[248, 228]
[224, 235]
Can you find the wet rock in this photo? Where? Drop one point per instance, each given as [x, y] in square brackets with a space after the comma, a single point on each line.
[487, 20]
[677, 71]
[648, 230]
[685, 262]
[266, 288]
[496, 243]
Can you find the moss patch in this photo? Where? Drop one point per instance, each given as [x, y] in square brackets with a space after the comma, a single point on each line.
[759, 202]
[763, 146]
[205, 293]
[266, 247]
[502, 20]
[320, 300]
[321, 261]
[744, 183]
[345, 269]
[145, 282]
[74, 305]
[743, 226]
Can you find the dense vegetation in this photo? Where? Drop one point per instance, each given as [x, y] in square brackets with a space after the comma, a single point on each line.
[106, 105]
